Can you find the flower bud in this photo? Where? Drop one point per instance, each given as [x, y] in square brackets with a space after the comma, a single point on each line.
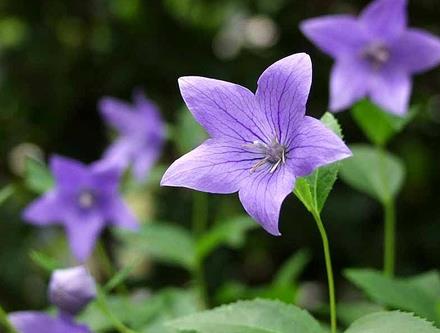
[71, 289]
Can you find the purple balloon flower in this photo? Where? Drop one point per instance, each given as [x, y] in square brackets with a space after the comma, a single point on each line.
[141, 133]
[38, 322]
[375, 54]
[85, 199]
[259, 142]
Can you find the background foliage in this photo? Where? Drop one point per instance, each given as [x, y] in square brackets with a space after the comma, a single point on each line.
[57, 58]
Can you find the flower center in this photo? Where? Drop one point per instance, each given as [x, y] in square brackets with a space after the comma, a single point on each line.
[273, 153]
[86, 199]
[377, 54]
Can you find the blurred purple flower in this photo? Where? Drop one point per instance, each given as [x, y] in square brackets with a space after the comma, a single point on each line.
[375, 54]
[84, 200]
[141, 133]
[259, 143]
[71, 289]
[38, 322]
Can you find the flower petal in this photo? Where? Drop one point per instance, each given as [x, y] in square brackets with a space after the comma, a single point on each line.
[315, 145]
[417, 50]
[263, 194]
[144, 161]
[348, 83]
[118, 114]
[68, 173]
[282, 93]
[119, 153]
[38, 322]
[150, 112]
[121, 216]
[45, 210]
[392, 90]
[224, 109]
[82, 233]
[216, 166]
[385, 18]
[336, 35]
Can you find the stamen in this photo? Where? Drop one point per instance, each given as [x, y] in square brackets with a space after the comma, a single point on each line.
[273, 153]
[377, 54]
[86, 199]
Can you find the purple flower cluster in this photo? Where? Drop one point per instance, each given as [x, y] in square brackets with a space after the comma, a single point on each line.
[86, 198]
[70, 291]
[375, 54]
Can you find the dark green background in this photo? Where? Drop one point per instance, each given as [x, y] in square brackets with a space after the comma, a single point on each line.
[57, 58]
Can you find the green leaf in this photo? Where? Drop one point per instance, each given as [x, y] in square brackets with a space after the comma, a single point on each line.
[6, 192]
[400, 294]
[231, 232]
[429, 282]
[141, 311]
[166, 243]
[348, 312]
[374, 172]
[189, 133]
[37, 176]
[292, 268]
[258, 316]
[314, 189]
[391, 322]
[378, 125]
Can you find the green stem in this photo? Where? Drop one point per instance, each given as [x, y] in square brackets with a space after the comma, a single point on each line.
[103, 306]
[104, 259]
[107, 265]
[328, 265]
[4, 321]
[389, 238]
[199, 224]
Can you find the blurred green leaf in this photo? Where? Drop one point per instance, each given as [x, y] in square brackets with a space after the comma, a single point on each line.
[141, 311]
[189, 134]
[429, 282]
[12, 32]
[292, 268]
[284, 286]
[378, 125]
[314, 189]
[166, 243]
[231, 232]
[391, 322]
[195, 12]
[400, 294]
[348, 312]
[258, 316]
[6, 192]
[374, 172]
[37, 176]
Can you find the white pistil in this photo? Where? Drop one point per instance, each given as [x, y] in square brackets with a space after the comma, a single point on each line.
[86, 199]
[274, 154]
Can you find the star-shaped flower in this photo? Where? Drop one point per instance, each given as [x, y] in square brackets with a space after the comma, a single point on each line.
[375, 54]
[141, 133]
[260, 143]
[85, 199]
